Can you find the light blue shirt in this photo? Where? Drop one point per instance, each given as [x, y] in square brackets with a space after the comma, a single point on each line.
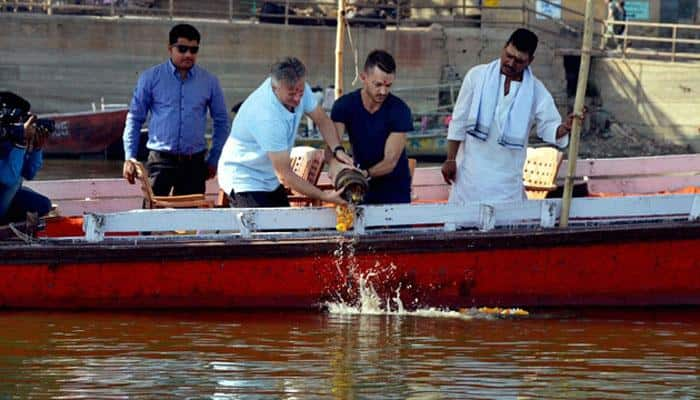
[262, 125]
[178, 112]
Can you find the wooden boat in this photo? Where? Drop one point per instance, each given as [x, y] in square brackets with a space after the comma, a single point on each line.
[633, 250]
[85, 132]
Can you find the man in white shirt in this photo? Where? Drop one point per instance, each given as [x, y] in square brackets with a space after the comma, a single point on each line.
[255, 162]
[487, 138]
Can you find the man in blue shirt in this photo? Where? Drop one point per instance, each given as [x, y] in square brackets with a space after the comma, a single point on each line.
[377, 122]
[21, 157]
[177, 93]
[255, 163]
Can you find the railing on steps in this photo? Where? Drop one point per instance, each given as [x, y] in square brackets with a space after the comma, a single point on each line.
[368, 13]
[666, 40]
[676, 38]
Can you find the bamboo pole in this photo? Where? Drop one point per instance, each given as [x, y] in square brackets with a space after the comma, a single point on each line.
[339, 45]
[578, 111]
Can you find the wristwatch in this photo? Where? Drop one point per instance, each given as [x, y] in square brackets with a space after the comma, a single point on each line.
[336, 149]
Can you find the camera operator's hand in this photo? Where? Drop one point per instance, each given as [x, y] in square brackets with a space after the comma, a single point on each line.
[40, 137]
[129, 171]
[29, 130]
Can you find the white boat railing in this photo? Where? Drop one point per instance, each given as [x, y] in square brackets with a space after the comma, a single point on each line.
[254, 222]
[108, 106]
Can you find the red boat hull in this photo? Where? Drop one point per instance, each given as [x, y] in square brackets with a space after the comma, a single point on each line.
[85, 133]
[591, 267]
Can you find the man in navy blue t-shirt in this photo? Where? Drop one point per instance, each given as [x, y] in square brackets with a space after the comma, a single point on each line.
[377, 122]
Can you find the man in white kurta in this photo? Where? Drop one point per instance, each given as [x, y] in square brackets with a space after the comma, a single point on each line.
[497, 106]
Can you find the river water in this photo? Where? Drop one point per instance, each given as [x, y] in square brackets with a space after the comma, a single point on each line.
[614, 354]
[56, 168]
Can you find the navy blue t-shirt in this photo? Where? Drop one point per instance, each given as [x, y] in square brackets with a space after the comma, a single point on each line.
[368, 134]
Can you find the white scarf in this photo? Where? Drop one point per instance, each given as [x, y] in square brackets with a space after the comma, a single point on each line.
[483, 108]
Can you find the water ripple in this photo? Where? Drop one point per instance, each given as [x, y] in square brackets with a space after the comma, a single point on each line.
[310, 355]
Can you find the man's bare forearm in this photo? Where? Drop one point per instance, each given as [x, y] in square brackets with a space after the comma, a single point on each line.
[452, 148]
[296, 183]
[383, 167]
[328, 132]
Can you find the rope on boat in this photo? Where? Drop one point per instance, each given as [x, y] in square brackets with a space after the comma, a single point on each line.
[21, 235]
[354, 51]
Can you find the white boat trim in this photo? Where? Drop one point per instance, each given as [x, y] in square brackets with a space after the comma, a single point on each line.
[246, 222]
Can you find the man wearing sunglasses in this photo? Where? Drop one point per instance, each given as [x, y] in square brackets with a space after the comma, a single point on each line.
[177, 93]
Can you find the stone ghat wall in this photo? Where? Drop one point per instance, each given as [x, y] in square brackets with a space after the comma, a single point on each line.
[65, 63]
[655, 98]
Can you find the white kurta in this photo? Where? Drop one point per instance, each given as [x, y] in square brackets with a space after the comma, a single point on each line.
[486, 170]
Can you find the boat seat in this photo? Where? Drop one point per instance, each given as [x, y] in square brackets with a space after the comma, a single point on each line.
[153, 201]
[307, 162]
[540, 171]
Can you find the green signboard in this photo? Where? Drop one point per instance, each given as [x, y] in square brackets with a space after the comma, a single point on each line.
[637, 10]
[550, 9]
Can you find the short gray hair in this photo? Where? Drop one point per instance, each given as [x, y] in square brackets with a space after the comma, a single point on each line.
[289, 69]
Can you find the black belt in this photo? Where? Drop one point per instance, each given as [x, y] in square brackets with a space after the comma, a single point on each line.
[180, 157]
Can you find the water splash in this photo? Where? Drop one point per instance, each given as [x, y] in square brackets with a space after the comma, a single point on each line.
[359, 296]
[370, 303]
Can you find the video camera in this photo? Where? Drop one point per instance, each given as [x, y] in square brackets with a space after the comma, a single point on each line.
[14, 112]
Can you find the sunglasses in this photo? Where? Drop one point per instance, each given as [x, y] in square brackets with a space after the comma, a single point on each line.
[183, 49]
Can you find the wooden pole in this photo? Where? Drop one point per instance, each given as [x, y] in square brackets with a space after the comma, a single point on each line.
[578, 111]
[339, 45]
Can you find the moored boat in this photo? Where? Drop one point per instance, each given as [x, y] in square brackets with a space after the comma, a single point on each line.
[632, 250]
[82, 133]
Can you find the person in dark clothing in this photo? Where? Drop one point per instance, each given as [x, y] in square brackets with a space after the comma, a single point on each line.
[21, 158]
[619, 14]
[377, 122]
